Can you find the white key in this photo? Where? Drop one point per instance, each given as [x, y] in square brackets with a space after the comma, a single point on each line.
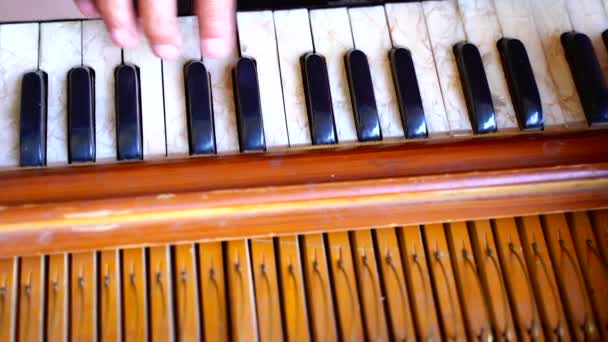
[371, 35]
[101, 54]
[551, 18]
[606, 6]
[257, 38]
[224, 116]
[408, 30]
[482, 29]
[60, 50]
[589, 17]
[516, 20]
[293, 41]
[332, 39]
[18, 55]
[152, 108]
[175, 96]
[445, 30]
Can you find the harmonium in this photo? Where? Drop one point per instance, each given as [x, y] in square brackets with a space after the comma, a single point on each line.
[353, 171]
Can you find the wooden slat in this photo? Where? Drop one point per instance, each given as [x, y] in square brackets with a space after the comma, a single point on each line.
[83, 297]
[600, 227]
[475, 308]
[9, 272]
[594, 269]
[32, 298]
[134, 306]
[368, 282]
[344, 283]
[267, 300]
[240, 292]
[444, 285]
[493, 280]
[399, 315]
[57, 294]
[418, 283]
[213, 291]
[110, 284]
[293, 298]
[543, 280]
[160, 287]
[318, 288]
[185, 285]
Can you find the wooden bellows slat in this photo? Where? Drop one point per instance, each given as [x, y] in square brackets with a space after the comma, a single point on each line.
[225, 197]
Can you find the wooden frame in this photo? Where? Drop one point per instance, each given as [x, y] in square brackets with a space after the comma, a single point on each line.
[225, 197]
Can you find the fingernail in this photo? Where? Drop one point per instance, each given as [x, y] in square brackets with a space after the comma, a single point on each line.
[87, 8]
[215, 47]
[124, 37]
[166, 51]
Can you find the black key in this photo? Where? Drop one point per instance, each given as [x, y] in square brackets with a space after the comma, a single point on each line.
[247, 104]
[475, 88]
[128, 113]
[587, 75]
[605, 36]
[318, 99]
[199, 108]
[522, 84]
[32, 120]
[81, 114]
[362, 96]
[408, 93]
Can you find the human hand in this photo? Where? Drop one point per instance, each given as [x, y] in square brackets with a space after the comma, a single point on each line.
[158, 19]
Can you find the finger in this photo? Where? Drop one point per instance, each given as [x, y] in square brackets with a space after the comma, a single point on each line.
[217, 26]
[87, 7]
[120, 20]
[159, 19]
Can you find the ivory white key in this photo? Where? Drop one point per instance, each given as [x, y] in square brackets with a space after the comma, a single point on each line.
[371, 35]
[293, 41]
[516, 20]
[551, 18]
[445, 30]
[101, 54]
[257, 40]
[60, 50]
[590, 18]
[333, 38]
[408, 29]
[482, 29]
[152, 107]
[18, 55]
[175, 96]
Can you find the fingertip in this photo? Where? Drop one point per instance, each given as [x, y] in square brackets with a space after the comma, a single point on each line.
[87, 8]
[124, 37]
[215, 47]
[166, 51]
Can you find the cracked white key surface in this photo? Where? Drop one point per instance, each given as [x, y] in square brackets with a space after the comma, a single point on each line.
[257, 40]
[516, 21]
[332, 39]
[294, 40]
[482, 29]
[18, 55]
[408, 30]
[371, 35]
[445, 30]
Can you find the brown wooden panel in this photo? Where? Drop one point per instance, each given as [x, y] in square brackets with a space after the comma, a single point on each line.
[240, 291]
[9, 272]
[292, 289]
[268, 304]
[213, 291]
[368, 282]
[399, 316]
[594, 270]
[134, 305]
[160, 290]
[474, 304]
[543, 278]
[57, 294]
[32, 298]
[600, 227]
[110, 313]
[83, 296]
[418, 283]
[186, 293]
[318, 288]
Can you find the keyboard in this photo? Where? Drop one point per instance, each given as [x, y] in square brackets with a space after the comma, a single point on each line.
[303, 77]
